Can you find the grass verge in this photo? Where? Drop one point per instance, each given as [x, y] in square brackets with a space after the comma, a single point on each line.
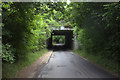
[10, 70]
[109, 65]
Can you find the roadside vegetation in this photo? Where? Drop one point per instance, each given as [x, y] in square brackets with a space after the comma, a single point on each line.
[98, 33]
[26, 26]
[58, 40]
[101, 61]
[11, 70]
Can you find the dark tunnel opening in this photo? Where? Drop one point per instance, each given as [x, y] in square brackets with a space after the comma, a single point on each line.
[67, 42]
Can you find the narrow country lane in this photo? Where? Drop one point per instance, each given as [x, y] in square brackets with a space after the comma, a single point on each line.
[65, 64]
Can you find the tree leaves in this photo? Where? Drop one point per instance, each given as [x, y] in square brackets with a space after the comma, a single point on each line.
[28, 25]
[100, 26]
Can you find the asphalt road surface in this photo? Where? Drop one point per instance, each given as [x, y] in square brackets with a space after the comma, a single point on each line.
[66, 64]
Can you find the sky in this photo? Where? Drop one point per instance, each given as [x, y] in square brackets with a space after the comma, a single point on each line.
[68, 1]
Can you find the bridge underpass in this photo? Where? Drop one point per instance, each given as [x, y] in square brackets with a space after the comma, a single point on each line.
[68, 40]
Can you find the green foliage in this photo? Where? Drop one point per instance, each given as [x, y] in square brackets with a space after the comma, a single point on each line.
[112, 28]
[97, 26]
[7, 53]
[39, 31]
[58, 39]
[19, 20]
[11, 70]
[102, 61]
[15, 30]
[27, 26]
[98, 32]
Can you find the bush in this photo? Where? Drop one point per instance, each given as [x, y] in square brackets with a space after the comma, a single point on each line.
[7, 53]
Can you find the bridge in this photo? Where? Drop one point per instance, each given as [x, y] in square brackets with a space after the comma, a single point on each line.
[69, 42]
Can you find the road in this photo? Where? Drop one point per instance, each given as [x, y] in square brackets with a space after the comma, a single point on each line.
[66, 64]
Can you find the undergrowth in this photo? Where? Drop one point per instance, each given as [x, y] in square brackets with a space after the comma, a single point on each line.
[108, 64]
[10, 70]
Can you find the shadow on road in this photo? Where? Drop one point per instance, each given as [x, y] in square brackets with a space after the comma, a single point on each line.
[60, 47]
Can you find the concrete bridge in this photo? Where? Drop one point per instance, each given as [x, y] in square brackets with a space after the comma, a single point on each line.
[68, 39]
